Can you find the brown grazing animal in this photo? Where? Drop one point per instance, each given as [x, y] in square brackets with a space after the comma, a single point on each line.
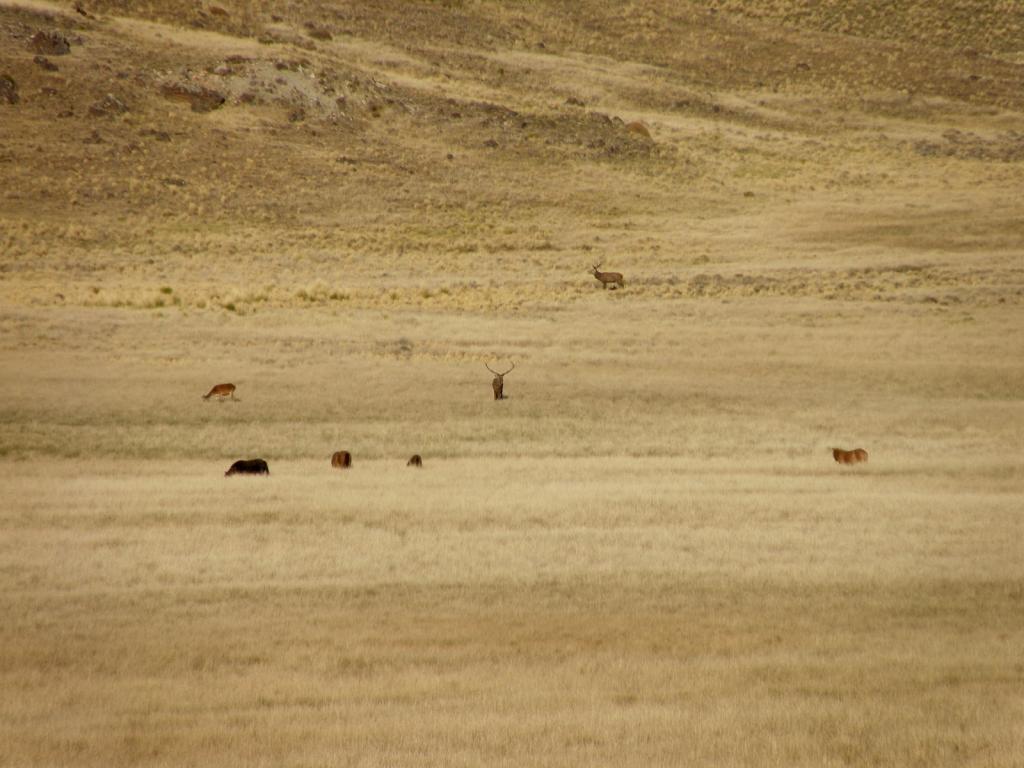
[639, 129]
[614, 278]
[498, 385]
[855, 456]
[222, 390]
[415, 461]
[248, 467]
[341, 460]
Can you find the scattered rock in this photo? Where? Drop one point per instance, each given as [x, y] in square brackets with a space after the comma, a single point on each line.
[82, 12]
[216, 10]
[108, 106]
[50, 43]
[491, 143]
[93, 138]
[236, 59]
[317, 32]
[47, 91]
[173, 181]
[45, 63]
[8, 90]
[297, 115]
[199, 98]
[156, 135]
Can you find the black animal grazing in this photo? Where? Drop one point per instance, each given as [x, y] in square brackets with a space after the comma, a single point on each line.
[248, 467]
[415, 461]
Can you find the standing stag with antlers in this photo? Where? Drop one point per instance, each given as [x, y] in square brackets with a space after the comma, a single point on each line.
[499, 381]
[615, 278]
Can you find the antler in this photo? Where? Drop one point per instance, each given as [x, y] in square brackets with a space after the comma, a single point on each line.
[499, 374]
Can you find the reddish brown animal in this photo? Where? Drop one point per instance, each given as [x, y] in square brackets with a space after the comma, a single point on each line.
[341, 460]
[856, 456]
[498, 385]
[639, 129]
[415, 461]
[221, 390]
[615, 278]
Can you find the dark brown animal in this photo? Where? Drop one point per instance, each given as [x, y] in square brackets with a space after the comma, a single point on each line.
[222, 390]
[856, 456]
[248, 467]
[615, 278]
[341, 460]
[498, 385]
[415, 461]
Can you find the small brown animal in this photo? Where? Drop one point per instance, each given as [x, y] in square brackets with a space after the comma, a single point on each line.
[604, 278]
[639, 129]
[856, 456]
[498, 385]
[222, 390]
[415, 461]
[248, 467]
[341, 460]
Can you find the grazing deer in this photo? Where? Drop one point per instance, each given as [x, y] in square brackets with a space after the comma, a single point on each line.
[222, 390]
[415, 461]
[615, 278]
[341, 460]
[856, 456]
[499, 381]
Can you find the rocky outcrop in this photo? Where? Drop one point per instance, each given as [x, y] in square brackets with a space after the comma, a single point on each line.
[49, 43]
[199, 98]
[8, 90]
[108, 106]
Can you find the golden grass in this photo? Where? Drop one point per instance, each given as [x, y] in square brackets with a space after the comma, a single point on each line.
[646, 555]
[514, 610]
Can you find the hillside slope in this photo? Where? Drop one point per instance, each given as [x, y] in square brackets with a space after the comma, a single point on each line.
[442, 154]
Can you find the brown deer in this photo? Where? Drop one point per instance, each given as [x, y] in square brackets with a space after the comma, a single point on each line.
[415, 461]
[615, 278]
[341, 460]
[222, 390]
[498, 384]
[856, 456]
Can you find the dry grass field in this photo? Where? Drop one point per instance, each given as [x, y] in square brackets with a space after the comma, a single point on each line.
[646, 554]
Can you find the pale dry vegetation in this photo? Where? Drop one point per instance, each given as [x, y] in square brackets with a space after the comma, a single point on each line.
[645, 555]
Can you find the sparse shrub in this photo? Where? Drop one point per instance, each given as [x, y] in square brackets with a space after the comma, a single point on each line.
[167, 290]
